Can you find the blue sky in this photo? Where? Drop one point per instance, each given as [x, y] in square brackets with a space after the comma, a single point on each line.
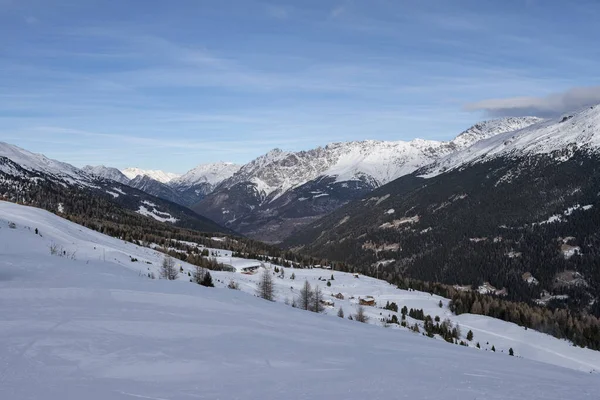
[172, 84]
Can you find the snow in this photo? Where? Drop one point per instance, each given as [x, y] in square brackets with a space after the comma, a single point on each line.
[375, 162]
[106, 173]
[543, 138]
[212, 174]
[95, 329]
[157, 215]
[157, 175]
[559, 217]
[40, 163]
[113, 194]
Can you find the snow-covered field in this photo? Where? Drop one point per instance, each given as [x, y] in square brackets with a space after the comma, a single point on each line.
[84, 327]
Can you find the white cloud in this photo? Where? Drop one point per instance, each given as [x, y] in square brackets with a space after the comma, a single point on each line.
[544, 106]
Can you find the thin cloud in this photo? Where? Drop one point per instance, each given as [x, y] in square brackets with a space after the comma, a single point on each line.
[31, 20]
[277, 12]
[545, 106]
[338, 11]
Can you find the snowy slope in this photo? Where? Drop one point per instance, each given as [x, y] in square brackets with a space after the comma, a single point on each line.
[103, 172]
[104, 260]
[564, 135]
[42, 164]
[161, 176]
[212, 174]
[89, 328]
[377, 161]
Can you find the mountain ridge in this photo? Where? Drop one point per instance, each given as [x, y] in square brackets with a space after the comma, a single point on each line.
[259, 199]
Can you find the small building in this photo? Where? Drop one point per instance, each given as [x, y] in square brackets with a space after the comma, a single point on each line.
[339, 296]
[251, 270]
[327, 303]
[356, 275]
[367, 301]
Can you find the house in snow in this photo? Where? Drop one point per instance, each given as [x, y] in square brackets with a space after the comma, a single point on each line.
[367, 301]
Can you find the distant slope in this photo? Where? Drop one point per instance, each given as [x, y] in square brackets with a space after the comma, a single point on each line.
[199, 182]
[157, 175]
[34, 179]
[519, 202]
[103, 172]
[280, 192]
[102, 322]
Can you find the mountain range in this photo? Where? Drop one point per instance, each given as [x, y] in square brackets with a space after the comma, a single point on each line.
[280, 192]
[517, 205]
[509, 203]
[60, 187]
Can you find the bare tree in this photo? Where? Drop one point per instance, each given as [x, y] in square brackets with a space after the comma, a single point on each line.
[167, 269]
[305, 297]
[199, 273]
[360, 315]
[340, 313]
[317, 298]
[265, 288]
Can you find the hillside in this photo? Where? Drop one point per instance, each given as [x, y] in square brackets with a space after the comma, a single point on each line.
[92, 327]
[59, 187]
[90, 253]
[520, 204]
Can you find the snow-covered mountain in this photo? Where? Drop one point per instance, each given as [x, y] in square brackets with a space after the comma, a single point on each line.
[212, 174]
[156, 188]
[378, 162]
[327, 177]
[91, 325]
[103, 172]
[197, 183]
[41, 164]
[157, 175]
[60, 187]
[518, 203]
[562, 136]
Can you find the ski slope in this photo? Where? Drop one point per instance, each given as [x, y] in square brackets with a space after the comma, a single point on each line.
[92, 325]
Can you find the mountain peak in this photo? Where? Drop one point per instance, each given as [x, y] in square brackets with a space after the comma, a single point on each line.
[579, 130]
[211, 173]
[101, 171]
[493, 127]
[157, 175]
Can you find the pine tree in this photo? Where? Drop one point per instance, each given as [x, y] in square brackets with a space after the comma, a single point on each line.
[511, 352]
[470, 335]
[493, 348]
[478, 345]
[340, 313]
[207, 280]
